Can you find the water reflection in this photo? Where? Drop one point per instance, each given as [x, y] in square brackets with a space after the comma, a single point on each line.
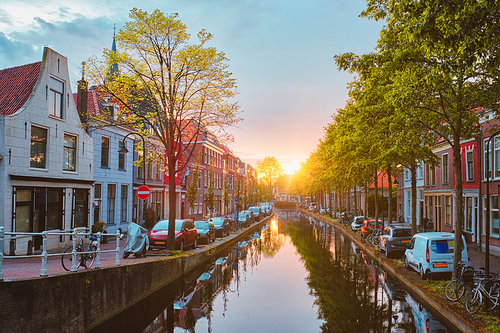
[296, 274]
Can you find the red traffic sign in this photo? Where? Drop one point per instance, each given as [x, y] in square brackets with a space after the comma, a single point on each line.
[143, 192]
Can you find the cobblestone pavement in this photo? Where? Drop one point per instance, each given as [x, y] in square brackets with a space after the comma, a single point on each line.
[477, 259]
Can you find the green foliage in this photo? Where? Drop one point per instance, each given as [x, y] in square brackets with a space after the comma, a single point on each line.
[192, 190]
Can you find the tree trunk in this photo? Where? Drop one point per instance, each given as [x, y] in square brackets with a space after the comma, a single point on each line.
[413, 170]
[171, 203]
[457, 165]
[355, 202]
[376, 198]
[365, 212]
[348, 199]
[389, 182]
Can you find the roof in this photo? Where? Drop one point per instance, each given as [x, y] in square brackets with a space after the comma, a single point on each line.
[16, 85]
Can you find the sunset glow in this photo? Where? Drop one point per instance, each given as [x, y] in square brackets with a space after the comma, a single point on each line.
[291, 167]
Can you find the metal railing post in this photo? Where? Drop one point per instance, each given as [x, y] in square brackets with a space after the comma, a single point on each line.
[117, 262]
[43, 271]
[2, 234]
[98, 254]
[73, 253]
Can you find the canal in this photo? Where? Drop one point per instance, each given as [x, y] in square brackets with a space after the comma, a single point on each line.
[294, 275]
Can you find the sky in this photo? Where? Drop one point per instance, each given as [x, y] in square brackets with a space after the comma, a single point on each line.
[281, 54]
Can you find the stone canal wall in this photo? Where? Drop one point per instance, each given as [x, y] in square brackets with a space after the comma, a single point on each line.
[426, 298]
[78, 301]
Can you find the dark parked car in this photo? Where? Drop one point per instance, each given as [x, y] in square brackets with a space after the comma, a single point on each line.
[206, 231]
[395, 238]
[222, 226]
[185, 234]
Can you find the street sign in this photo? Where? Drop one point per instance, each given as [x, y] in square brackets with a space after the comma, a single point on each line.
[236, 200]
[143, 192]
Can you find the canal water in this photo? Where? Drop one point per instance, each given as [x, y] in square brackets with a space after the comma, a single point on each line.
[294, 275]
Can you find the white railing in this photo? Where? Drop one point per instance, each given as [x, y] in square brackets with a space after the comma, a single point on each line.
[44, 255]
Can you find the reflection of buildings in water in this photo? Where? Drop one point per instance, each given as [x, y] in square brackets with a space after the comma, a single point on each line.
[192, 305]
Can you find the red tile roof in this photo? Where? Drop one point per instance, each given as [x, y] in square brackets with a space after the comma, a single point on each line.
[16, 85]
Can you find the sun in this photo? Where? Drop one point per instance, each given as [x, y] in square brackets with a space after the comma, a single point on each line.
[291, 167]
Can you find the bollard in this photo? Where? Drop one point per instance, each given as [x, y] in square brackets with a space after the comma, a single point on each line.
[30, 247]
[98, 254]
[73, 253]
[43, 271]
[12, 247]
[117, 262]
[2, 234]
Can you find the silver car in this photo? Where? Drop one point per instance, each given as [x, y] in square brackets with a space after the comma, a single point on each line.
[357, 223]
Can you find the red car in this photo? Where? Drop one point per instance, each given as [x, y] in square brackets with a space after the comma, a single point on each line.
[185, 234]
[368, 227]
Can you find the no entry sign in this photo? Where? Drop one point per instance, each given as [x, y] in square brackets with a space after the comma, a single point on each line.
[143, 192]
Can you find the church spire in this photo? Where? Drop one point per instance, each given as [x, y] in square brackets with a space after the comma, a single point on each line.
[113, 68]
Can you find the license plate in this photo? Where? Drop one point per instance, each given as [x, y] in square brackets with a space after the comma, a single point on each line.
[440, 265]
[160, 243]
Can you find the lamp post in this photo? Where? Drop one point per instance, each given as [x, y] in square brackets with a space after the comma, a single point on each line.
[123, 150]
[488, 208]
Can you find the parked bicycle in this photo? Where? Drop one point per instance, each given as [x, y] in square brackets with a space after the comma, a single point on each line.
[375, 237]
[457, 288]
[85, 257]
[490, 289]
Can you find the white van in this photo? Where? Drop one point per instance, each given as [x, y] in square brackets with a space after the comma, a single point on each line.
[431, 253]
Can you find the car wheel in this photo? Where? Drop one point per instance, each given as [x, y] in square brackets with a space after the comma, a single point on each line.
[195, 244]
[422, 273]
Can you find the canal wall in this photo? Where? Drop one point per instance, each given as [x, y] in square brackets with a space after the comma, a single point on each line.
[426, 298]
[79, 301]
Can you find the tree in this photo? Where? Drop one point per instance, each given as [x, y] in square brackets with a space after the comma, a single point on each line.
[210, 194]
[192, 190]
[447, 65]
[168, 89]
[225, 192]
[269, 170]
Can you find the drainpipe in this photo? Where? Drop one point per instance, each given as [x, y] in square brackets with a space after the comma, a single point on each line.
[480, 190]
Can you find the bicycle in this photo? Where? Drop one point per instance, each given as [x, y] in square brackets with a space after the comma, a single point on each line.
[474, 298]
[85, 260]
[375, 238]
[462, 285]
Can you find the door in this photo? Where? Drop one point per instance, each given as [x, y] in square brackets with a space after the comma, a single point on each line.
[39, 215]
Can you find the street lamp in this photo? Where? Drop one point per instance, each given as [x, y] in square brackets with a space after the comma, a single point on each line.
[488, 209]
[123, 150]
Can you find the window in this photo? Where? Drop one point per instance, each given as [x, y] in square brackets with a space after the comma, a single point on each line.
[497, 157]
[444, 166]
[447, 203]
[111, 203]
[97, 191]
[121, 158]
[80, 197]
[494, 215]
[150, 166]
[69, 163]
[56, 98]
[470, 166]
[104, 152]
[140, 171]
[124, 199]
[487, 160]
[158, 168]
[433, 176]
[468, 213]
[38, 147]
[23, 210]
[427, 175]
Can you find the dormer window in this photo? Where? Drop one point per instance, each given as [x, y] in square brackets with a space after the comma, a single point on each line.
[56, 98]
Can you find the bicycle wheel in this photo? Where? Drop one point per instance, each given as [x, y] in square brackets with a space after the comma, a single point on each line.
[454, 290]
[473, 301]
[375, 240]
[88, 259]
[368, 238]
[494, 293]
[66, 258]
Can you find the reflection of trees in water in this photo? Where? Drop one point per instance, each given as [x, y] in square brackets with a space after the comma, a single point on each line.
[190, 319]
[271, 243]
[348, 294]
[208, 296]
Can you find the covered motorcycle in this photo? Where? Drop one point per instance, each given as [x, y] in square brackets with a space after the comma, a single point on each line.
[137, 241]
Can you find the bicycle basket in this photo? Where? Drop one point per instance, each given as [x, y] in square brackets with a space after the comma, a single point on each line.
[468, 274]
